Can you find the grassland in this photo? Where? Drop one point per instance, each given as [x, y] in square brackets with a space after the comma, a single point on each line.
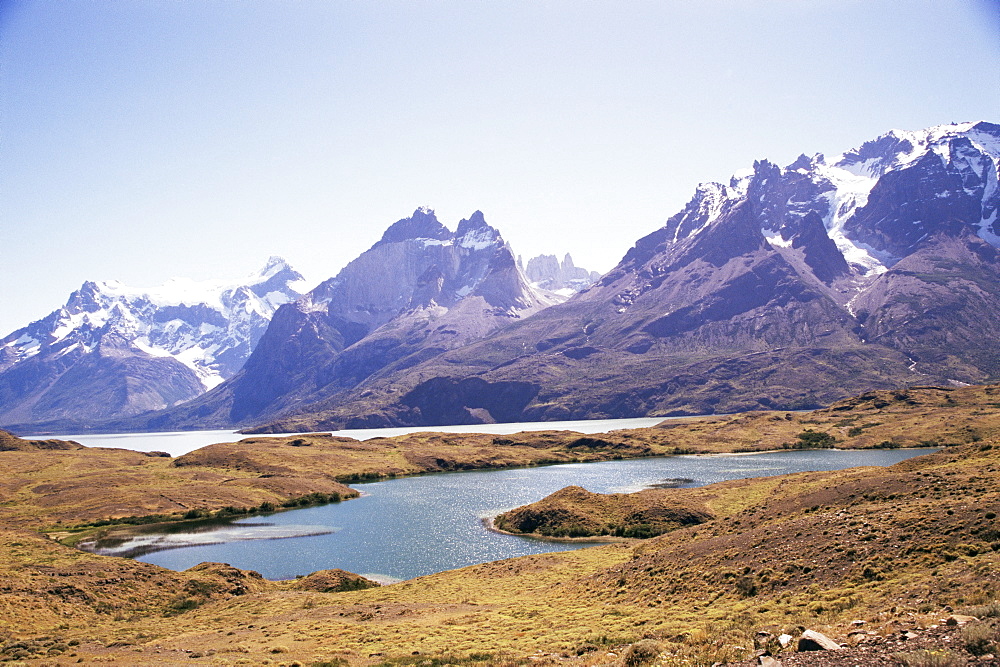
[893, 547]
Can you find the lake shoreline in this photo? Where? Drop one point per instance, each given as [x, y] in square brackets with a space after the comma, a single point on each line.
[86, 539]
[488, 523]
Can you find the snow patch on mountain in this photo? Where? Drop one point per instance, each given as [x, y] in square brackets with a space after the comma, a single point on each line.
[478, 239]
[775, 238]
[985, 230]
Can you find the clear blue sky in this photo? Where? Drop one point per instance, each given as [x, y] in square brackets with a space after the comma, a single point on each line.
[141, 140]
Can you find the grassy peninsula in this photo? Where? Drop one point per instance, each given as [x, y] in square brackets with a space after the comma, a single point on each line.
[897, 548]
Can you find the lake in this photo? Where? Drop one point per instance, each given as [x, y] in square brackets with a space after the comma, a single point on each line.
[408, 527]
[177, 443]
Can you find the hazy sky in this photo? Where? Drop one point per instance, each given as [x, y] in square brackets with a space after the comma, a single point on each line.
[145, 139]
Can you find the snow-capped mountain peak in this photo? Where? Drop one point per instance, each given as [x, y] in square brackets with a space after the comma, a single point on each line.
[853, 192]
[208, 326]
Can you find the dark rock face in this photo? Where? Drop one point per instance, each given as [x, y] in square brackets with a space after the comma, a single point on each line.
[924, 198]
[939, 306]
[113, 351]
[785, 288]
[468, 401]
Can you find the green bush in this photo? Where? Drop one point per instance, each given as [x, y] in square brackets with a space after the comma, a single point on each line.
[642, 531]
[746, 587]
[181, 604]
[810, 439]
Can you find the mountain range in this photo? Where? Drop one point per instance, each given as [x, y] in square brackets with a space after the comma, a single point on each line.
[419, 290]
[783, 288]
[780, 288]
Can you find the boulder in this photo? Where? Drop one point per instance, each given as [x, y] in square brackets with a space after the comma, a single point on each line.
[958, 619]
[816, 641]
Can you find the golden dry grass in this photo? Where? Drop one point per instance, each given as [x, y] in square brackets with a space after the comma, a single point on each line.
[890, 546]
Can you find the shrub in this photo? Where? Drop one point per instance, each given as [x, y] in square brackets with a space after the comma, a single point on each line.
[889, 444]
[989, 610]
[810, 439]
[639, 530]
[180, 605]
[924, 658]
[641, 653]
[746, 587]
[978, 638]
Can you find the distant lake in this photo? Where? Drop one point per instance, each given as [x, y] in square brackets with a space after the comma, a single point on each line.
[177, 443]
[407, 527]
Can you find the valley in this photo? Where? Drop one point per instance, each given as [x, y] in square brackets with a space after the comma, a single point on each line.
[891, 546]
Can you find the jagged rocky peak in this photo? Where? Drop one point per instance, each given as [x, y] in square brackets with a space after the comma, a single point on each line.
[417, 261]
[475, 233]
[86, 299]
[475, 221]
[423, 224]
[898, 148]
[276, 267]
[548, 273]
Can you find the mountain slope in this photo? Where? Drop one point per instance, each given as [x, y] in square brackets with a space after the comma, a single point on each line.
[114, 351]
[417, 292]
[784, 288]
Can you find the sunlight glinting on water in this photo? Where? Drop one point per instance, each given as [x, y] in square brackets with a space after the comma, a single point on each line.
[407, 527]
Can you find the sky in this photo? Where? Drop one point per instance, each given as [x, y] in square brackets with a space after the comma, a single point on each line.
[144, 140]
